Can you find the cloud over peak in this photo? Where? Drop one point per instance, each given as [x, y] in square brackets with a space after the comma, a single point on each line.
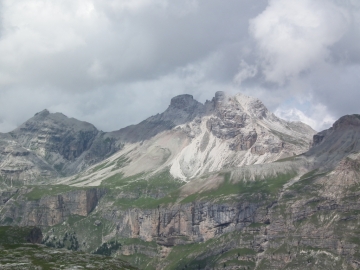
[94, 59]
[293, 36]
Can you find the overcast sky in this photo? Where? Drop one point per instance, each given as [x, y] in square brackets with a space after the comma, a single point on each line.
[116, 62]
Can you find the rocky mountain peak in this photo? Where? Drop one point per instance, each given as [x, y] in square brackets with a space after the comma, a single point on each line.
[45, 120]
[56, 138]
[220, 103]
[220, 96]
[183, 101]
[238, 104]
[341, 140]
[342, 125]
[252, 106]
[219, 99]
[43, 113]
[347, 121]
[182, 109]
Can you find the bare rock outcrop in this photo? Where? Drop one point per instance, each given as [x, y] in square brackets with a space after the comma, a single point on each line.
[180, 224]
[50, 210]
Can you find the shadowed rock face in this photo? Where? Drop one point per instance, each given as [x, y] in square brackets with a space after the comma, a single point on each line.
[182, 109]
[347, 122]
[183, 102]
[332, 145]
[35, 236]
[55, 134]
[50, 210]
[49, 145]
[219, 99]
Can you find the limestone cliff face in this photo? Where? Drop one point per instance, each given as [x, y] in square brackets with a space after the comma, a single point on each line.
[188, 223]
[315, 217]
[48, 210]
[20, 165]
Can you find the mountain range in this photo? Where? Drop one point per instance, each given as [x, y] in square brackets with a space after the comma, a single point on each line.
[220, 185]
[187, 138]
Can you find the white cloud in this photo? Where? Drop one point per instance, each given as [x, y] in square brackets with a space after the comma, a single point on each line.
[318, 117]
[292, 36]
[132, 5]
[246, 71]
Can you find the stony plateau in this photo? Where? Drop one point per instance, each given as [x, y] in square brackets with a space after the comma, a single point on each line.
[220, 185]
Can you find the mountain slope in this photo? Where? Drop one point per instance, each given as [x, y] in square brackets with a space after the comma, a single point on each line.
[52, 145]
[332, 145]
[191, 139]
[182, 109]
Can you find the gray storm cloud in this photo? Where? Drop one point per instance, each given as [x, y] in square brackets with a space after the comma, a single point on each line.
[114, 63]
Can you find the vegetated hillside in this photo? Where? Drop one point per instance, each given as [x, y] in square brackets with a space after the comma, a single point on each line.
[20, 249]
[298, 211]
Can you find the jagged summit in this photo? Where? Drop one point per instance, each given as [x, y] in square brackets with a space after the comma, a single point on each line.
[221, 101]
[184, 109]
[43, 113]
[183, 102]
[252, 106]
[240, 102]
